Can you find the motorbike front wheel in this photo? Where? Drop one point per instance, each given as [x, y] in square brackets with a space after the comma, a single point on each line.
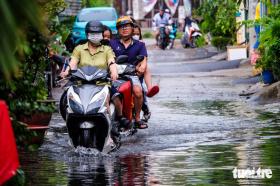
[162, 44]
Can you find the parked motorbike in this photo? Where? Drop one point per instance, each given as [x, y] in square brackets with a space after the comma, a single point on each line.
[60, 62]
[195, 33]
[84, 107]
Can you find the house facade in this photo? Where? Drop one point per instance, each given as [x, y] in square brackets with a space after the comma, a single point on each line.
[144, 10]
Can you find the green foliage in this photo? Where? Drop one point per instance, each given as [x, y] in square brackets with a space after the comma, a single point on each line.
[147, 35]
[14, 18]
[219, 20]
[24, 38]
[27, 107]
[59, 30]
[23, 135]
[28, 86]
[221, 42]
[54, 7]
[200, 42]
[270, 42]
[65, 27]
[179, 35]
[22, 62]
[96, 3]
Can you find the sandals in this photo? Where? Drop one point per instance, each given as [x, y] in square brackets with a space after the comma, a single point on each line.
[153, 91]
[140, 124]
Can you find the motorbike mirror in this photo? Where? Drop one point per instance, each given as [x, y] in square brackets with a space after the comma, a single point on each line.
[122, 59]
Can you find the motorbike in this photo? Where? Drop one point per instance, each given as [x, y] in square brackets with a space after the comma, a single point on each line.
[86, 109]
[194, 30]
[172, 35]
[163, 37]
[124, 85]
[60, 62]
[91, 123]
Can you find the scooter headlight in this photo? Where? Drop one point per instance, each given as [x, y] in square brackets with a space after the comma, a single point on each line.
[97, 102]
[74, 105]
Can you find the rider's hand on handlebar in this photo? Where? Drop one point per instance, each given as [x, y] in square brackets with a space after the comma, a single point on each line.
[140, 68]
[114, 77]
[114, 74]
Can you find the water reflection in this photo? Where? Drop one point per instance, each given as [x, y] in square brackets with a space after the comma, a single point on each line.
[200, 152]
[86, 170]
[87, 173]
[132, 170]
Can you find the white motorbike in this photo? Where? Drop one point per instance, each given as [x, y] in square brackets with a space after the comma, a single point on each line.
[194, 31]
[84, 106]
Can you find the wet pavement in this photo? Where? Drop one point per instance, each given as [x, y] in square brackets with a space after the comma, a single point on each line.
[200, 130]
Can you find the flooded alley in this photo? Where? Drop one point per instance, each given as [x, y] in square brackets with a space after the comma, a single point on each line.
[200, 130]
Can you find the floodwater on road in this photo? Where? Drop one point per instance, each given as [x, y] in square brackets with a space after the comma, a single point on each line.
[197, 135]
[199, 132]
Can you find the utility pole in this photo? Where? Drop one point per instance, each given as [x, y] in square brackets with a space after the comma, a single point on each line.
[123, 7]
[129, 5]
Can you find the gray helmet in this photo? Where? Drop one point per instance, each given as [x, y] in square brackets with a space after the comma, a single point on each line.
[94, 26]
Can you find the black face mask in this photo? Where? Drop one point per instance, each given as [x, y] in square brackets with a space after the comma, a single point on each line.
[105, 42]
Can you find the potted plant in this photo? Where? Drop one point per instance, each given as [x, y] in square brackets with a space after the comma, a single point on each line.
[28, 86]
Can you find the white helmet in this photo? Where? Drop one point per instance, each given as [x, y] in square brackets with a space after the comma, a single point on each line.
[167, 11]
[129, 13]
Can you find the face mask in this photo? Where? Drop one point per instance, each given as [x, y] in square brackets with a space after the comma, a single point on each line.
[136, 37]
[95, 38]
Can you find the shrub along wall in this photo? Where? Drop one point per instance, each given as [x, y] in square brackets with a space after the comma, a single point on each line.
[270, 41]
[219, 20]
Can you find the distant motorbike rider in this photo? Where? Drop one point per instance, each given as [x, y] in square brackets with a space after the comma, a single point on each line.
[93, 53]
[160, 18]
[168, 13]
[172, 28]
